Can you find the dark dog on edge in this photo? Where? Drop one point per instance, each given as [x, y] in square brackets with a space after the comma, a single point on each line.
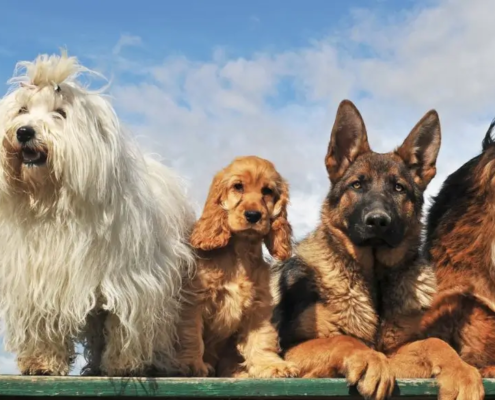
[461, 246]
[356, 289]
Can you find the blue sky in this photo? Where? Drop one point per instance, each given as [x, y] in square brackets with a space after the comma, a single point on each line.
[196, 28]
[190, 27]
[200, 82]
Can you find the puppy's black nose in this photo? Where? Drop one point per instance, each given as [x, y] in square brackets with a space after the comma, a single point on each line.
[252, 216]
[377, 220]
[25, 134]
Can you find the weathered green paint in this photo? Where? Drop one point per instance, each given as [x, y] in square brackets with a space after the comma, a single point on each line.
[85, 387]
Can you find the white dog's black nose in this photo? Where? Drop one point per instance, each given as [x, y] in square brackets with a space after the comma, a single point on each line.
[25, 134]
[252, 216]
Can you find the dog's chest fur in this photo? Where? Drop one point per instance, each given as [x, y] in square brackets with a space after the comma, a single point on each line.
[325, 293]
[345, 292]
[230, 288]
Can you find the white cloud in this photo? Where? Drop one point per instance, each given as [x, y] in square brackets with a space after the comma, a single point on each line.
[126, 41]
[442, 55]
[281, 105]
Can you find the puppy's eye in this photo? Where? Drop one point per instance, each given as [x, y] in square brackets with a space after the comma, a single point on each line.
[266, 191]
[399, 188]
[239, 187]
[61, 113]
[23, 110]
[356, 185]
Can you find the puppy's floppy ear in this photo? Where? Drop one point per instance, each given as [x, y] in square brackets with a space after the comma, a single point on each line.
[420, 149]
[279, 239]
[211, 231]
[348, 140]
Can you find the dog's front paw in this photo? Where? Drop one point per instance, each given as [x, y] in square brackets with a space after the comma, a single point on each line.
[488, 372]
[369, 370]
[196, 368]
[42, 367]
[281, 369]
[460, 382]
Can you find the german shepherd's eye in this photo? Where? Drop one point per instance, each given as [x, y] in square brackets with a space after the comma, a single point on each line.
[356, 185]
[399, 188]
[61, 113]
[22, 110]
[239, 187]
[266, 191]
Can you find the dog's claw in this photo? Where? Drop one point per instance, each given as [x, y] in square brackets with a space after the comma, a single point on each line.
[370, 372]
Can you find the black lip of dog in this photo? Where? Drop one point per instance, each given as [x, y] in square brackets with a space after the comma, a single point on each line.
[363, 233]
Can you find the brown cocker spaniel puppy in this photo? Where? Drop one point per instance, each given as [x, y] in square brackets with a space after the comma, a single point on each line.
[228, 305]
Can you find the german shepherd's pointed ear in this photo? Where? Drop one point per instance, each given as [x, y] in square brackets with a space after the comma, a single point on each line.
[489, 138]
[420, 149]
[348, 140]
[212, 231]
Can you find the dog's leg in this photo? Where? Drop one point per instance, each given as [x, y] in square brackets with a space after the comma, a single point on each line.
[121, 357]
[93, 339]
[462, 320]
[345, 356]
[50, 356]
[258, 344]
[164, 356]
[435, 358]
[191, 345]
[230, 363]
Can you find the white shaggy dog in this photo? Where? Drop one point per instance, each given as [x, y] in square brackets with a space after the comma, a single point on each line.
[93, 234]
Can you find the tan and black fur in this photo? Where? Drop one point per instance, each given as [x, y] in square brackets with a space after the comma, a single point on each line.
[460, 242]
[356, 288]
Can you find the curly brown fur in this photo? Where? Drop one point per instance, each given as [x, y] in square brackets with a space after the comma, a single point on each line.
[357, 285]
[460, 243]
[228, 304]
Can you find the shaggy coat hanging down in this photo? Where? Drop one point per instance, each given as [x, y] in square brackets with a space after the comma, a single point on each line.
[357, 286]
[229, 306]
[94, 234]
[461, 245]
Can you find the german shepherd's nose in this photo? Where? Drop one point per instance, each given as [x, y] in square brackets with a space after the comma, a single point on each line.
[377, 219]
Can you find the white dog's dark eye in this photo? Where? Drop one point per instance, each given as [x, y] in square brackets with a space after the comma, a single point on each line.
[61, 112]
[23, 110]
[239, 187]
[266, 191]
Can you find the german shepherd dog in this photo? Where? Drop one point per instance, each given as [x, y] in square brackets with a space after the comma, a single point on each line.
[356, 288]
[460, 242]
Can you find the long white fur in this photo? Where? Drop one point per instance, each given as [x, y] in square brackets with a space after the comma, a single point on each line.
[107, 229]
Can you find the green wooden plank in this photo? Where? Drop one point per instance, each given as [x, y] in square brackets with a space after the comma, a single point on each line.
[16, 386]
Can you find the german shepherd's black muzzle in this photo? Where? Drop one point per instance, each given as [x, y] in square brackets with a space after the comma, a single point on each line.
[375, 222]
